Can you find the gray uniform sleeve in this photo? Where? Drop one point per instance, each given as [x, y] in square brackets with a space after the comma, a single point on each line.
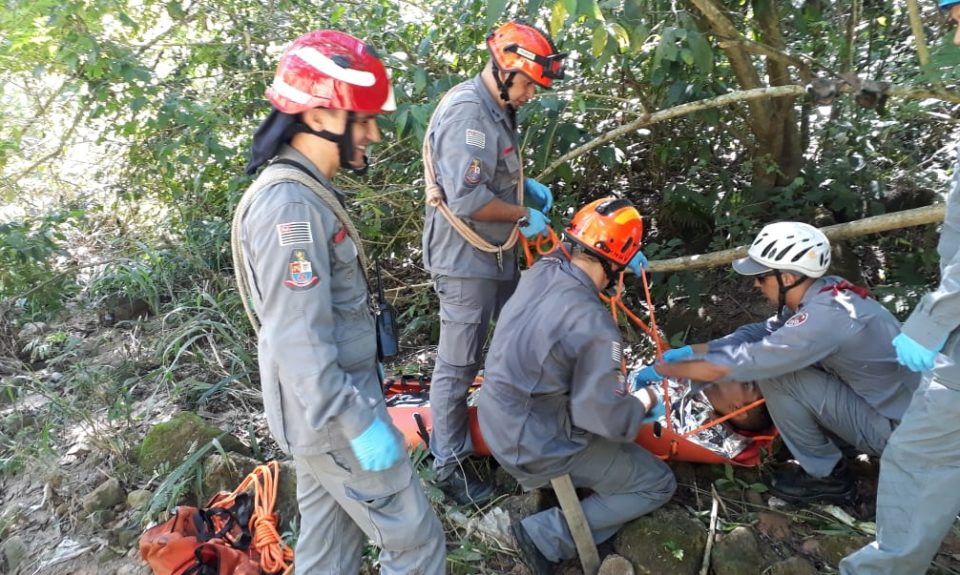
[597, 401]
[298, 320]
[806, 338]
[465, 155]
[748, 333]
[938, 312]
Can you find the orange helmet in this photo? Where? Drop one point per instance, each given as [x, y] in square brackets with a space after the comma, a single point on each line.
[329, 69]
[519, 47]
[610, 228]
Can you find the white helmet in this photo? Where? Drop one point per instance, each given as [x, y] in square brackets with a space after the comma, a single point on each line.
[787, 246]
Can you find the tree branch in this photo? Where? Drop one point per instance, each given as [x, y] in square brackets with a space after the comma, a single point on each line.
[923, 54]
[872, 225]
[675, 112]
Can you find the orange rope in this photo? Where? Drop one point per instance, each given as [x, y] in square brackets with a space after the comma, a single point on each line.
[275, 555]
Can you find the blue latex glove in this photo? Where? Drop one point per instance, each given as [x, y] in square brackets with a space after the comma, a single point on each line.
[655, 412]
[537, 224]
[645, 377]
[913, 355]
[638, 262]
[376, 448]
[678, 354]
[538, 193]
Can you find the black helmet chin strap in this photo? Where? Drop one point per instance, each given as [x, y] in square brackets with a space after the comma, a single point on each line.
[504, 87]
[343, 141]
[783, 289]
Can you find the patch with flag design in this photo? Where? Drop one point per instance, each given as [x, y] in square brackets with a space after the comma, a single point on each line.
[291, 233]
[477, 139]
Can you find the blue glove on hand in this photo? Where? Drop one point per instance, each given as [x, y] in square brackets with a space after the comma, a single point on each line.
[376, 448]
[645, 377]
[536, 224]
[538, 193]
[655, 412]
[913, 355]
[678, 354]
[637, 263]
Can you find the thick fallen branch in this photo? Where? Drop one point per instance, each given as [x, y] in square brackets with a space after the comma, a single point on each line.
[872, 225]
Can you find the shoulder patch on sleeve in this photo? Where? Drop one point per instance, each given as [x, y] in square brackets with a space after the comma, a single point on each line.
[476, 138]
[798, 319]
[291, 233]
[300, 274]
[472, 176]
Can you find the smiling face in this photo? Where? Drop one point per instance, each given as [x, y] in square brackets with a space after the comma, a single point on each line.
[365, 132]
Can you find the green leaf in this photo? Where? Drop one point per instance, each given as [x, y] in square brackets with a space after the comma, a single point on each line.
[419, 80]
[687, 56]
[620, 33]
[702, 53]
[558, 15]
[599, 41]
[571, 6]
[495, 10]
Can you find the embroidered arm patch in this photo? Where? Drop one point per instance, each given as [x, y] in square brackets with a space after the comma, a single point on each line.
[476, 138]
[291, 233]
[300, 274]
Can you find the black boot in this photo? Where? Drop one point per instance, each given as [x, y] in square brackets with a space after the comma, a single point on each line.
[529, 554]
[798, 486]
[461, 483]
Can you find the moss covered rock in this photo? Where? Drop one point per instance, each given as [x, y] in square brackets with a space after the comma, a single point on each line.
[666, 541]
[170, 442]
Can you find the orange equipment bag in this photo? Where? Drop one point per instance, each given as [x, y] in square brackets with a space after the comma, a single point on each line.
[235, 534]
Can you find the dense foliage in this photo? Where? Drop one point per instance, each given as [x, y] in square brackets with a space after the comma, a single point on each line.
[125, 125]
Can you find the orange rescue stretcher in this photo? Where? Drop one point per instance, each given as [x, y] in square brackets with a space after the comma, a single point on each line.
[409, 408]
[411, 414]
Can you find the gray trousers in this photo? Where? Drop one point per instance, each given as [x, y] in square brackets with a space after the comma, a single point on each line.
[467, 306]
[341, 506]
[627, 481]
[918, 496]
[816, 413]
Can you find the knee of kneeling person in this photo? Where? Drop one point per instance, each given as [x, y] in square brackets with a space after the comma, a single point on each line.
[427, 532]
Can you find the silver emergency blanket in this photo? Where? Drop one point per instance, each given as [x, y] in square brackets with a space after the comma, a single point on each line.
[691, 409]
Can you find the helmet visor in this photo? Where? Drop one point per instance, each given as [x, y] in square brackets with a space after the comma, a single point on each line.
[749, 267]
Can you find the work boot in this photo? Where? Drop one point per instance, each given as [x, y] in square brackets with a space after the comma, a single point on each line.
[461, 483]
[529, 554]
[798, 486]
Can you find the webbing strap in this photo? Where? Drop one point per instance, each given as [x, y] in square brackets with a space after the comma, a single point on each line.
[577, 523]
[437, 199]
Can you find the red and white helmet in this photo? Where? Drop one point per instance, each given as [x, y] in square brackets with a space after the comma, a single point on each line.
[329, 69]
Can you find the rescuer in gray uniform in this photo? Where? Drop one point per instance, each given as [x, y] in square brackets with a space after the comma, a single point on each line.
[554, 399]
[918, 497]
[473, 165]
[317, 343]
[824, 363]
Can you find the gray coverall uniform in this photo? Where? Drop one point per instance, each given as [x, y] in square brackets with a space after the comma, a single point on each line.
[828, 371]
[476, 160]
[318, 371]
[918, 496]
[554, 402]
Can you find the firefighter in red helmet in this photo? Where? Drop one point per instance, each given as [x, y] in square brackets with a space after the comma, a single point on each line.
[474, 215]
[300, 265]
